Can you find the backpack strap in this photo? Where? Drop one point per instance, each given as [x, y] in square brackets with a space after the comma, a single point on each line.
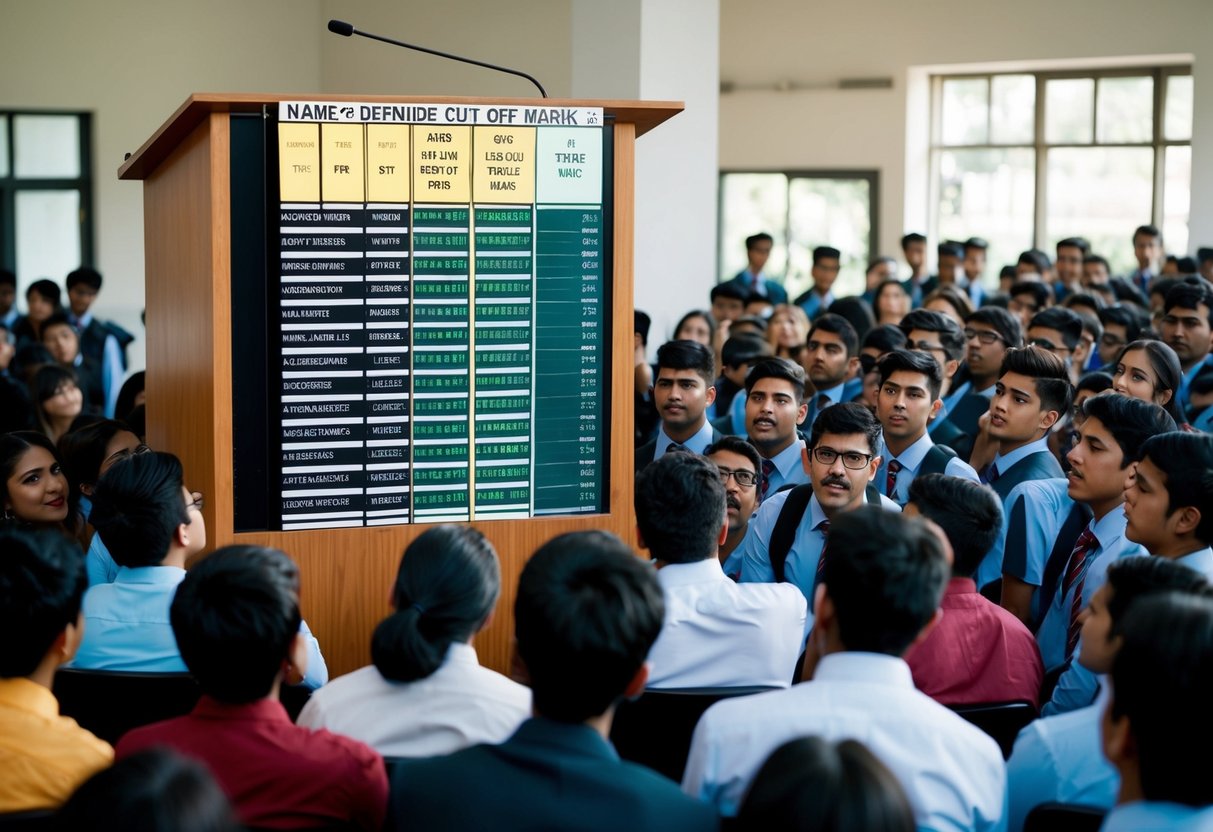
[871, 495]
[936, 461]
[785, 527]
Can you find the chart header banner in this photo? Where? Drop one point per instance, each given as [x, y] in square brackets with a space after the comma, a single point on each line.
[517, 115]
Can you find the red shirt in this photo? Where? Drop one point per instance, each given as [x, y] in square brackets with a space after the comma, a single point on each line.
[977, 653]
[277, 775]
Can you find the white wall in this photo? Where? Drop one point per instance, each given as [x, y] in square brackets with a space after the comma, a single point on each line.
[818, 43]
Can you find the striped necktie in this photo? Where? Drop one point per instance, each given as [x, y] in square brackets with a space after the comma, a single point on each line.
[1076, 578]
[890, 483]
[768, 468]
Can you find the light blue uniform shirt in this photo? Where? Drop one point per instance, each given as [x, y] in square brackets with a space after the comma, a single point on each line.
[1060, 759]
[1153, 815]
[911, 460]
[1046, 506]
[1201, 560]
[834, 394]
[990, 568]
[127, 626]
[696, 444]
[98, 563]
[789, 468]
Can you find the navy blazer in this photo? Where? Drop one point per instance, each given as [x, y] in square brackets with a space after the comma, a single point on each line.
[548, 776]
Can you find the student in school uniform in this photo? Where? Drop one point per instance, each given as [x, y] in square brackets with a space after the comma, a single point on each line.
[1169, 502]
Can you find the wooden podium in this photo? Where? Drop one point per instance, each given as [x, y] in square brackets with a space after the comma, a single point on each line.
[190, 168]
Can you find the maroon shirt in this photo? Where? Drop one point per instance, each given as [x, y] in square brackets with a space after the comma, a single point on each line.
[277, 775]
[977, 653]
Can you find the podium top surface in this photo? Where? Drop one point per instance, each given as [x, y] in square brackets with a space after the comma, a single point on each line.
[644, 114]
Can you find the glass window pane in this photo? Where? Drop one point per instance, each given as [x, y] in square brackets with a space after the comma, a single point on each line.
[1125, 110]
[1177, 198]
[1068, 105]
[966, 104]
[750, 203]
[48, 234]
[990, 194]
[47, 147]
[833, 212]
[1012, 109]
[1177, 117]
[3, 145]
[1101, 193]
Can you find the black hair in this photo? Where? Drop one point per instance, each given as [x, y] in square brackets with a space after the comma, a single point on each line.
[1187, 461]
[1186, 265]
[822, 252]
[235, 617]
[47, 289]
[890, 582]
[1095, 258]
[680, 504]
[885, 338]
[950, 247]
[755, 239]
[885, 284]
[8, 278]
[729, 290]
[696, 313]
[137, 420]
[1121, 316]
[1041, 294]
[736, 445]
[1130, 421]
[1131, 579]
[745, 348]
[1092, 301]
[1037, 259]
[912, 361]
[810, 784]
[1190, 296]
[42, 582]
[640, 325]
[87, 275]
[57, 318]
[1148, 230]
[1093, 382]
[857, 312]
[845, 419]
[1047, 371]
[839, 326]
[137, 507]
[131, 388]
[586, 615]
[1066, 321]
[687, 355]
[1075, 242]
[969, 514]
[50, 379]
[780, 368]
[1165, 364]
[83, 451]
[13, 446]
[874, 263]
[1001, 321]
[976, 242]
[950, 336]
[952, 296]
[447, 585]
[912, 237]
[1161, 286]
[155, 790]
[1161, 678]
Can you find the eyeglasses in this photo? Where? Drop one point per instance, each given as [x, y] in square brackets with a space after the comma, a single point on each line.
[197, 501]
[139, 450]
[850, 459]
[1046, 344]
[744, 478]
[984, 335]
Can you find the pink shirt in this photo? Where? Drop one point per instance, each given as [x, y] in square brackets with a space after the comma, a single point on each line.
[978, 653]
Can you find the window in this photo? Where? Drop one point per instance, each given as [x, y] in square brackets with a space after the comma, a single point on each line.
[45, 194]
[1027, 159]
[801, 210]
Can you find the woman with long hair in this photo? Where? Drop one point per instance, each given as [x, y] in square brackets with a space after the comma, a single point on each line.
[88, 453]
[33, 488]
[426, 693]
[696, 325]
[58, 400]
[891, 303]
[787, 330]
[1149, 370]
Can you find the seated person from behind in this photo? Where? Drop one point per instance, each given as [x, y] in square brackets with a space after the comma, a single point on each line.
[426, 693]
[586, 615]
[680, 513]
[977, 652]
[43, 756]
[151, 524]
[236, 619]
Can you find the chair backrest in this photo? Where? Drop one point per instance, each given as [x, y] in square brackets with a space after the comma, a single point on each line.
[1001, 720]
[655, 730]
[1064, 817]
[110, 703]
[33, 821]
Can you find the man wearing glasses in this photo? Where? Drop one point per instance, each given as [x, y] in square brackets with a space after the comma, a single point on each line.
[989, 333]
[788, 538]
[740, 469]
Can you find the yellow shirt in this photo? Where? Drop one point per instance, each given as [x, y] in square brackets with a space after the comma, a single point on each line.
[44, 757]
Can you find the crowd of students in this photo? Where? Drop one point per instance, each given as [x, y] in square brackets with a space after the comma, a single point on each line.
[875, 524]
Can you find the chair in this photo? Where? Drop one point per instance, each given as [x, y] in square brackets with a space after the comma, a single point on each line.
[1001, 720]
[1064, 817]
[109, 703]
[655, 730]
[35, 820]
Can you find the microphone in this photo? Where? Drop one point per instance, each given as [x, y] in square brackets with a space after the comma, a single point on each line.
[340, 27]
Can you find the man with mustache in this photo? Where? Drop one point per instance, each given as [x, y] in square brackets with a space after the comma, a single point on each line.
[741, 472]
[1187, 327]
[682, 392]
[788, 538]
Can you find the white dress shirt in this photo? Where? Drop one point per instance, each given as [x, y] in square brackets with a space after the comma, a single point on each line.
[952, 772]
[458, 705]
[721, 634]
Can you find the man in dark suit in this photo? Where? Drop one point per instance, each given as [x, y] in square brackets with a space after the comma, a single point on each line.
[586, 615]
[751, 279]
[682, 391]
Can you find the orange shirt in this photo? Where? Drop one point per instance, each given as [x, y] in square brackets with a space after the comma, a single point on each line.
[44, 757]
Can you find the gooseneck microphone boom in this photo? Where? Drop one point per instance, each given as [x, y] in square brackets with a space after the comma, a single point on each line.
[340, 27]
